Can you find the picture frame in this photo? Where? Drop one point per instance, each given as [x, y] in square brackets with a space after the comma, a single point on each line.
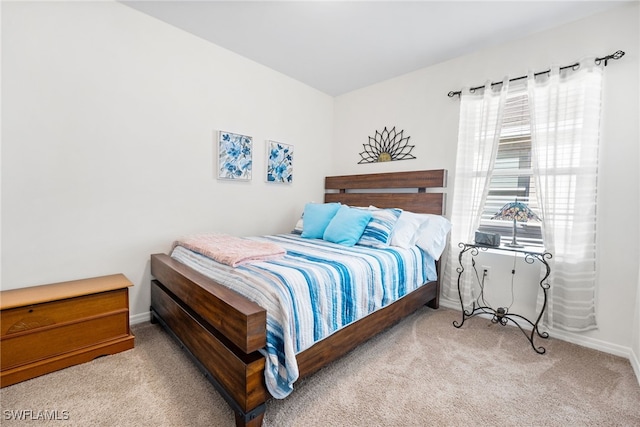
[279, 162]
[235, 161]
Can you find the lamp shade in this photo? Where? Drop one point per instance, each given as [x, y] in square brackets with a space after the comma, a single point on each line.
[517, 212]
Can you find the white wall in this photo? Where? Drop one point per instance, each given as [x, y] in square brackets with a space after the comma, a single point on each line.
[418, 104]
[635, 346]
[108, 147]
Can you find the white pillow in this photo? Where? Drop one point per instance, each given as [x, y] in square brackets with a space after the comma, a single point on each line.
[432, 235]
[298, 227]
[404, 233]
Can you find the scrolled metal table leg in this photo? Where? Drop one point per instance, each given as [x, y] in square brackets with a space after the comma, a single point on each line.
[460, 270]
[544, 285]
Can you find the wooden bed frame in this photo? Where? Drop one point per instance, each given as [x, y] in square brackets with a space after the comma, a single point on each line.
[222, 331]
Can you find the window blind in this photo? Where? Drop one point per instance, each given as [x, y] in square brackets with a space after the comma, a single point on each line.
[513, 174]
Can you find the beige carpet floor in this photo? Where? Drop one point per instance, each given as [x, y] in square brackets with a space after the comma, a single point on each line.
[422, 372]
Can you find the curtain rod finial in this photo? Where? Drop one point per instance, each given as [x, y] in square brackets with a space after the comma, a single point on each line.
[616, 55]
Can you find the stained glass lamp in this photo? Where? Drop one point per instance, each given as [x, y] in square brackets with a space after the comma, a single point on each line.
[518, 212]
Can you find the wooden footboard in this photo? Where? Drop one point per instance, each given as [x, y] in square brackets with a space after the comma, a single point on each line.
[220, 329]
[238, 376]
[243, 322]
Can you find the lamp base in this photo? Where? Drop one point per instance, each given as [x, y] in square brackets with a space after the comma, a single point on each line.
[513, 245]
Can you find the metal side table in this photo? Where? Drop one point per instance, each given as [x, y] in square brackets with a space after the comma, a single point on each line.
[501, 315]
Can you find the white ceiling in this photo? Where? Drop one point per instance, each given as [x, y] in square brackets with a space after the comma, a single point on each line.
[340, 46]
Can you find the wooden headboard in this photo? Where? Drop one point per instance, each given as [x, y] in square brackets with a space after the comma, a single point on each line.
[405, 190]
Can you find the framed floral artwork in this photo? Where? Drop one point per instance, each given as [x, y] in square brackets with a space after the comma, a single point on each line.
[279, 162]
[234, 156]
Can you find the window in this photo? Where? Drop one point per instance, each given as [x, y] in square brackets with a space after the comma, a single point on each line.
[513, 175]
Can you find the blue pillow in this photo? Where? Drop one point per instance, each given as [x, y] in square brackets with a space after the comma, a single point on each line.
[316, 218]
[378, 231]
[347, 226]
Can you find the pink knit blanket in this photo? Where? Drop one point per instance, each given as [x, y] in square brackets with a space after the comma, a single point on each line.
[231, 250]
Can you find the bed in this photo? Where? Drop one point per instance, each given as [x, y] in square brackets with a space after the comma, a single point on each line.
[226, 333]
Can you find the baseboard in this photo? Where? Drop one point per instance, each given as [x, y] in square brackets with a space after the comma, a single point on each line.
[139, 318]
[574, 338]
[607, 347]
[635, 363]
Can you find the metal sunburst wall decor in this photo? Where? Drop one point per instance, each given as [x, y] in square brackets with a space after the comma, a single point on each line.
[386, 146]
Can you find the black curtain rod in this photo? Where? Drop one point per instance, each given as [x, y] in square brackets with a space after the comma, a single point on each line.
[617, 55]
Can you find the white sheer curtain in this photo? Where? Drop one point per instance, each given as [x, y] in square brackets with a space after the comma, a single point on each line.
[565, 116]
[478, 137]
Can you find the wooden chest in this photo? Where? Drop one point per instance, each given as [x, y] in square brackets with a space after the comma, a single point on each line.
[50, 327]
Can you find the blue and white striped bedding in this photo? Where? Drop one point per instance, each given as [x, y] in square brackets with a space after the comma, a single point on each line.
[317, 288]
